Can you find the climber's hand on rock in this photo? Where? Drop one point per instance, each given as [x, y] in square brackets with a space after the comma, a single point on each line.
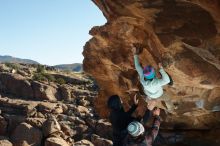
[134, 49]
[160, 65]
[139, 47]
[135, 99]
[156, 112]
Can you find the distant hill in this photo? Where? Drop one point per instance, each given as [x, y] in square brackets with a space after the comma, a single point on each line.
[76, 67]
[10, 59]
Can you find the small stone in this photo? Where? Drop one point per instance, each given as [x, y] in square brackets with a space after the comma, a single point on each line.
[36, 122]
[5, 142]
[51, 126]
[76, 120]
[65, 108]
[55, 141]
[58, 109]
[67, 130]
[81, 128]
[98, 141]
[83, 143]
[40, 115]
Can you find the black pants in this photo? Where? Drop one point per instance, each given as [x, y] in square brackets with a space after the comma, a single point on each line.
[118, 137]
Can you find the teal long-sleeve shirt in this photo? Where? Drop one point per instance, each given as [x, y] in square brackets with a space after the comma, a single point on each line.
[153, 89]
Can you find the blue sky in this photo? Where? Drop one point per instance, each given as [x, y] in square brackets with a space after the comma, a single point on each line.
[48, 31]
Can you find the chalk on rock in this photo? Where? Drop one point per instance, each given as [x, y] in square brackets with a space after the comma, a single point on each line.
[216, 108]
[200, 103]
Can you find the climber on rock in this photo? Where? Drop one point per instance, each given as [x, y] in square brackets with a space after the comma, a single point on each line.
[152, 86]
[120, 119]
[138, 135]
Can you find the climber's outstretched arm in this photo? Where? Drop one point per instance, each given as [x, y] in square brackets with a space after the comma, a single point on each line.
[136, 49]
[134, 106]
[138, 66]
[155, 127]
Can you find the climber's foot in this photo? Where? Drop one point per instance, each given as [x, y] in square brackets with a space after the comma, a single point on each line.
[151, 104]
[133, 90]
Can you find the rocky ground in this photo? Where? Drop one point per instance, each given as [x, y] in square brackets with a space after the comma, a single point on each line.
[43, 106]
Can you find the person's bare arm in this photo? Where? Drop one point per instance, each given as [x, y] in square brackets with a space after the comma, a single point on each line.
[156, 124]
[134, 106]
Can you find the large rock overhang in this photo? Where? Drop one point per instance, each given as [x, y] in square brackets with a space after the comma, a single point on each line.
[182, 34]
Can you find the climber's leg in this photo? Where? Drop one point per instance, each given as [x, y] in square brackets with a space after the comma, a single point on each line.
[168, 104]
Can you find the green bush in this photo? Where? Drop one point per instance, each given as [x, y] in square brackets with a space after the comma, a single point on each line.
[40, 69]
[60, 81]
[39, 77]
[44, 77]
[12, 65]
[67, 71]
[50, 77]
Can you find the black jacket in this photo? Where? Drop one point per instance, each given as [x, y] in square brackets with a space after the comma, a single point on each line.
[120, 120]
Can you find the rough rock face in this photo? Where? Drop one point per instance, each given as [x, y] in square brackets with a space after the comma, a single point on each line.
[27, 82]
[182, 34]
[25, 133]
[15, 84]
